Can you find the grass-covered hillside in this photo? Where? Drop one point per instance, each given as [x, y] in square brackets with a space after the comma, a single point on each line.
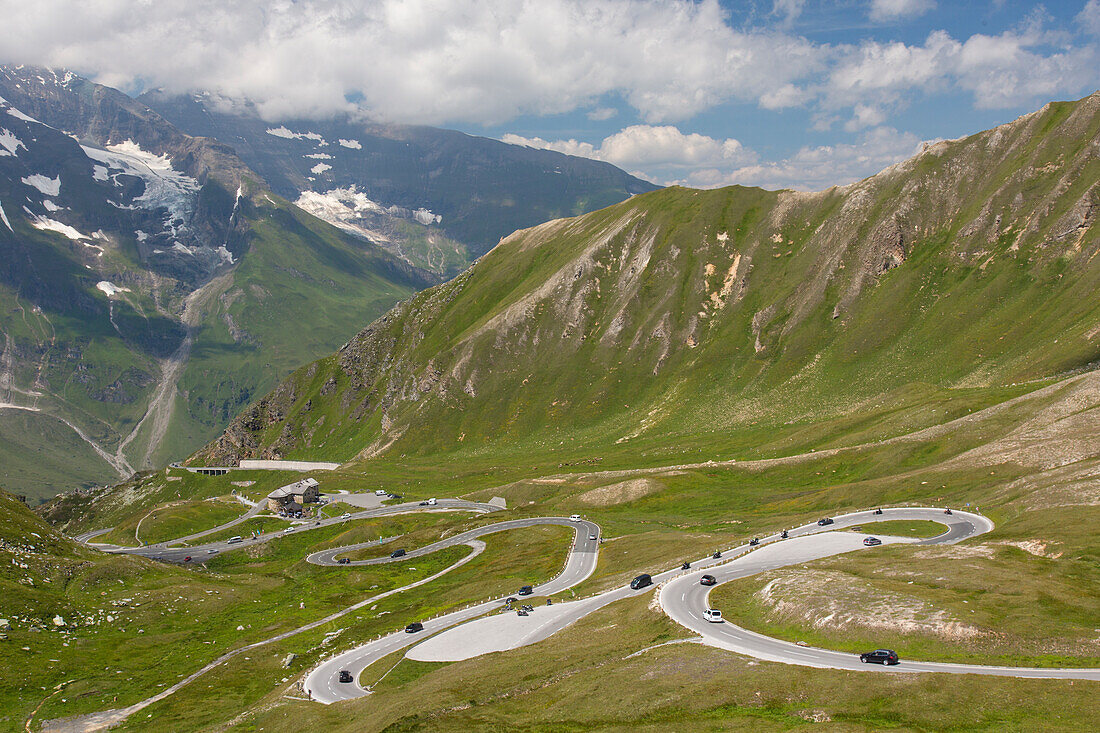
[728, 320]
[151, 286]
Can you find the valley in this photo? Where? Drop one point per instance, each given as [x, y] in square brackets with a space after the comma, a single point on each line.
[598, 412]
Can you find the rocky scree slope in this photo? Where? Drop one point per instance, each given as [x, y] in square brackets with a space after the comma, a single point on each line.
[436, 198]
[681, 313]
[147, 279]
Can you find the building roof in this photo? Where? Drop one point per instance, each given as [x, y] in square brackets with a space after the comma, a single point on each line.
[295, 489]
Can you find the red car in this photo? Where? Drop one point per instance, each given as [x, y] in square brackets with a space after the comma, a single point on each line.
[187, 559]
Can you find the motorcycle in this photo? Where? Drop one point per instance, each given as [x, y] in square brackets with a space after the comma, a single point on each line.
[784, 535]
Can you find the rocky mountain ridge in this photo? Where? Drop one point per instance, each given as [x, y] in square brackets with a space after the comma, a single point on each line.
[682, 313]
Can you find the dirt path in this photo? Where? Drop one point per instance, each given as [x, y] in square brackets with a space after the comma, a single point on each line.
[159, 412]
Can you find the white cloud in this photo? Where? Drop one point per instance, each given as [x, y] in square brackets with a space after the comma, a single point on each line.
[668, 156]
[602, 113]
[887, 10]
[999, 71]
[428, 61]
[657, 152]
[816, 168]
[864, 116]
[1089, 17]
[788, 10]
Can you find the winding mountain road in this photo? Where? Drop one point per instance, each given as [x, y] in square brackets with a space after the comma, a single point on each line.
[489, 626]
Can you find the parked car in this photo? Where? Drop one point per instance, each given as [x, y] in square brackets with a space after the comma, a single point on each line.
[379, 492]
[574, 517]
[397, 553]
[824, 522]
[345, 676]
[641, 581]
[343, 561]
[423, 503]
[414, 627]
[708, 580]
[872, 541]
[713, 615]
[526, 590]
[880, 656]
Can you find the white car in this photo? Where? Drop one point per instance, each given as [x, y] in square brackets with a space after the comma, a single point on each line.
[345, 515]
[379, 492]
[288, 529]
[574, 517]
[432, 502]
[713, 615]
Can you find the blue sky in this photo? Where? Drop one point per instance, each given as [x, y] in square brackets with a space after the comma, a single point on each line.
[778, 93]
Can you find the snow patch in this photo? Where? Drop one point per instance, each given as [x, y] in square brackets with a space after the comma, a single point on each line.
[165, 187]
[180, 247]
[320, 168]
[141, 236]
[110, 288]
[48, 186]
[319, 156]
[52, 225]
[287, 134]
[353, 144]
[20, 116]
[426, 217]
[99, 173]
[9, 142]
[50, 206]
[4, 218]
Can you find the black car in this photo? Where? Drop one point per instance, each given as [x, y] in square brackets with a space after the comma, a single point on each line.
[414, 627]
[343, 561]
[345, 676]
[825, 521]
[423, 503]
[510, 600]
[708, 580]
[641, 581]
[880, 656]
[397, 553]
[526, 590]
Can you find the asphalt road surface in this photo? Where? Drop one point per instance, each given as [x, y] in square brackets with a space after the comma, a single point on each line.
[685, 600]
[165, 552]
[323, 683]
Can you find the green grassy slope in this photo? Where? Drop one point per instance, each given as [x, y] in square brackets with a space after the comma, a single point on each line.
[698, 317]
